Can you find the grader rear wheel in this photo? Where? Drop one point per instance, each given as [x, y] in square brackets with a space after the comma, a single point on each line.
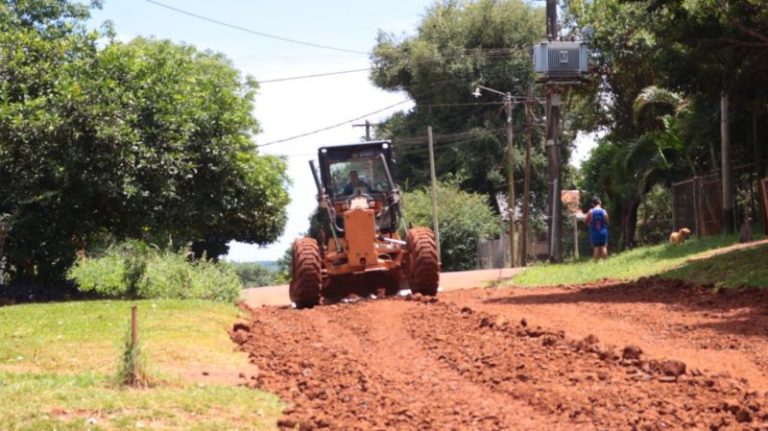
[424, 268]
[306, 276]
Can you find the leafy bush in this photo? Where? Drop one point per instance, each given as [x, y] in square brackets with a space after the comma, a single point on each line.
[136, 270]
[464, 219]
[654, 216]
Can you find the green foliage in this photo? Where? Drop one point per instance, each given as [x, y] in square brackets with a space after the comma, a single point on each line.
[254, 274]
[655, 216]
[134, 270]
[458, 45]
[464, 219]
[284, 266]
[147, 139]
[661, 66]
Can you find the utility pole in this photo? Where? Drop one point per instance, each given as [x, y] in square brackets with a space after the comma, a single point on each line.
[555, 184]
[434, 190]
[511, 179]
[551, 19]
[367, 126]
[553, 149]
[727, 177]
[527, 180]
[510, 167]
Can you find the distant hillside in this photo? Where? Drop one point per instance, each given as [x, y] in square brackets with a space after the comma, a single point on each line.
[269, 264]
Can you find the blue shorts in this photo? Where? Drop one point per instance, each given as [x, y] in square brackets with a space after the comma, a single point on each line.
[599, 239]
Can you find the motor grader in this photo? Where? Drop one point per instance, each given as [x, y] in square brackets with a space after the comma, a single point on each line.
[358, 248]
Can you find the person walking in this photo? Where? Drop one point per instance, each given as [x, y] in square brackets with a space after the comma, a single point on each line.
[597, 220]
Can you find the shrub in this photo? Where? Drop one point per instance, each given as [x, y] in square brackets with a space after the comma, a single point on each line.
[464, 219]
[654, 216]
[136, 270]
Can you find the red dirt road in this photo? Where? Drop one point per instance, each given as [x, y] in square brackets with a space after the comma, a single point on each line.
[520, 359]
[278, 295]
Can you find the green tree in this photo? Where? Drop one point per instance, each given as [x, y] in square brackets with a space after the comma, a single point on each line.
[662, 66]
[147, 139]
[457, 45]
[464, 219]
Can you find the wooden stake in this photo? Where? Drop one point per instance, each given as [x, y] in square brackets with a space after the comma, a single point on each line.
[134, 328]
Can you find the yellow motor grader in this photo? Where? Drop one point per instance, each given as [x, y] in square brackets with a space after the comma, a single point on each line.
[359, 248]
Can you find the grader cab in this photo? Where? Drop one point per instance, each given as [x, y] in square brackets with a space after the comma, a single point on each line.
[359, 247]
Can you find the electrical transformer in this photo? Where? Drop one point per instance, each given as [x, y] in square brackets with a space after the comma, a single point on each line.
[561, 59]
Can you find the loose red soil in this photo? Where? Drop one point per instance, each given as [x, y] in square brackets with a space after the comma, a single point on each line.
[644, 355]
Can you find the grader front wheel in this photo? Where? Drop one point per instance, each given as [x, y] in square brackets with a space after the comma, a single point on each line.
[424, 267]
[306, 275]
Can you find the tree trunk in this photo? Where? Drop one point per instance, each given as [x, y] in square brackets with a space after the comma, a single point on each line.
[760, 166]
[629, 223]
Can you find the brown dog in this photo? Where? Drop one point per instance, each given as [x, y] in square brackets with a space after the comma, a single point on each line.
[680, 236]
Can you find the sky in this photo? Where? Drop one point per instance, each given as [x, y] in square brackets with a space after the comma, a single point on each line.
[288, 108]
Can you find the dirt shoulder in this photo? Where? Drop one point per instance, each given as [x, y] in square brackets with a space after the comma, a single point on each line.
[725, 332]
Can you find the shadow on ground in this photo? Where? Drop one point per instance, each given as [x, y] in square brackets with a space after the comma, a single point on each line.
[741, 311]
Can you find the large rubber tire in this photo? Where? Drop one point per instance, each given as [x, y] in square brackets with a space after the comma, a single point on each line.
[424, 264]
[306, 274]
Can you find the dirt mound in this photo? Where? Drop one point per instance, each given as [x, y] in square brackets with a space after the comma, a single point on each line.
[397, 364]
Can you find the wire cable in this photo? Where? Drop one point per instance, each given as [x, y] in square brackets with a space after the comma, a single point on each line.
[333, 126]
[257, 33]
[316, 75]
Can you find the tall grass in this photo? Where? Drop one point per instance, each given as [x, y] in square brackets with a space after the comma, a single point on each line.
[136, 270]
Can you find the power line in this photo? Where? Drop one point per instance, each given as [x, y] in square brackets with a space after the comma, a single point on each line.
[316, 75]
[420, 140]
[411, 141]
[257, 33]
[334, 125]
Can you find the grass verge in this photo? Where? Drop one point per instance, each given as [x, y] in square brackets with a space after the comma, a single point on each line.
[89, 401]
[58, 364]
[628, 265]
[746, 267]
[73, 336]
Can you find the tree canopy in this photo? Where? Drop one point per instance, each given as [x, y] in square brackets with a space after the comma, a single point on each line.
[458, 45]
[147, 139]
[661, 67]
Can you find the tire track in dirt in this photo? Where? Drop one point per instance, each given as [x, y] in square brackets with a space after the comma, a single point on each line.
[724, 331]
[581, 381]
[419, 364]
[440, 397]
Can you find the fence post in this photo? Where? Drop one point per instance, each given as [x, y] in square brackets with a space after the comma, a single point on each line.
[134, 328]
